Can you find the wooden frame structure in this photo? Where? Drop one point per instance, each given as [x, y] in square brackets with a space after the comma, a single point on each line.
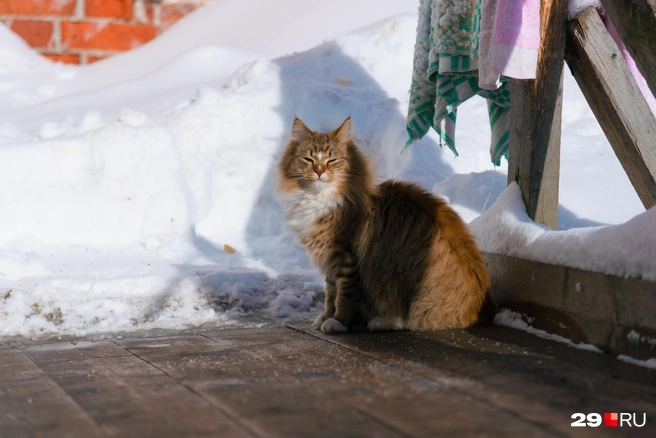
[607, 311]
[598, 67]
[600, 71]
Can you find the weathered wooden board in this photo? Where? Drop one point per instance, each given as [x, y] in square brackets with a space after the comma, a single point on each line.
[491, 381]
[126, 396]
[635, 21]
[31, 404]
[615, 99]
[610, 312]
[535, 121]
[540, 382]
[258, 392]
[296, 386]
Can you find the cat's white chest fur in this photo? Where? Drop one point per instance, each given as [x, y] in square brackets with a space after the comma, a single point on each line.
[304, 207]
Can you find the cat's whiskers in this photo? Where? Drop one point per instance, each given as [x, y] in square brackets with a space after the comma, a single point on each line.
[345, 178]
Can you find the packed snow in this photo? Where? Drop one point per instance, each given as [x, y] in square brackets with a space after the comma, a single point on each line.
[575, 7]
[138, 192]
[628, 249]
[649, 363]
[508, 318]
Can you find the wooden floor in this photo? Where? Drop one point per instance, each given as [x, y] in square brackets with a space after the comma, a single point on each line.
[292, 381]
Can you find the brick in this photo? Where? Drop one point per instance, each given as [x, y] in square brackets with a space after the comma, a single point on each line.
[105, 36]
[109, 8]
[149, 10]
[37, 34]
[171, 13]
[93, 58]
[37, 7]
[66, 58]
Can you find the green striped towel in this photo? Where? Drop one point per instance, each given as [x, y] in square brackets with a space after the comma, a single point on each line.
[445, 75]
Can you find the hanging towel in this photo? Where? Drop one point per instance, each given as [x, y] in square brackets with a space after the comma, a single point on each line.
[509, 40]
[445, 75]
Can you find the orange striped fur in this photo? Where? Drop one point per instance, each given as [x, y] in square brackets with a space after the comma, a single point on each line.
[392, 253]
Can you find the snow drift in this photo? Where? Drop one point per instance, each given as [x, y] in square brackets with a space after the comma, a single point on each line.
[145, 198]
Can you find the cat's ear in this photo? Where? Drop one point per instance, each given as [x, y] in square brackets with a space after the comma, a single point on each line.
[300, 132]
[343, 133]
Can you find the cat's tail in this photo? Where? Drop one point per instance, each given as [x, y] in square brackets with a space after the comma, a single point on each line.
[474, 280]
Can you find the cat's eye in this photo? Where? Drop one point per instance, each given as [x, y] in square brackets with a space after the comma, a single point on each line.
[309, 160]
[332, 161]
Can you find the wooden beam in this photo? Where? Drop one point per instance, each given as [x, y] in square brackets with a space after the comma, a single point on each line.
[584, 306]
[615, 99]
[635, 21]
[535, 119]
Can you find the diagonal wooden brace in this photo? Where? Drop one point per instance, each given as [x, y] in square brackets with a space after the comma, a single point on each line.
[615, 99]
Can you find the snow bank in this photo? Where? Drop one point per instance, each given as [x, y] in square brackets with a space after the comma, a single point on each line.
[124, 184]
[263, 28]
[627, 250]
[121, 224]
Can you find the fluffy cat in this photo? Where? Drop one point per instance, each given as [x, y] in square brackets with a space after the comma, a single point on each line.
[392, 253]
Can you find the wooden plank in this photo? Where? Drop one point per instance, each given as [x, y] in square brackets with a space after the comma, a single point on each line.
[127, 396]
[31, 404]
[589, 307]
[296, 385]
[242, 375]
[635, 21]
[484, 380]
[615, 99]
[535, 121]
[539, 381]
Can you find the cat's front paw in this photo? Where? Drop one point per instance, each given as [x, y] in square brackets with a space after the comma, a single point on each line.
[331, 325]
[318, 321]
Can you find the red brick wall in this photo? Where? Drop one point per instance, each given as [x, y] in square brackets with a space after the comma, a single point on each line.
[84, 31]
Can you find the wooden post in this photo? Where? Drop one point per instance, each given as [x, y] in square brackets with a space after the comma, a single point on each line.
[635, 21]
[535, 121]
[615, 99]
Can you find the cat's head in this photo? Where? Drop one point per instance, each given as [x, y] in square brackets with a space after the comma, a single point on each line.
[316, 161]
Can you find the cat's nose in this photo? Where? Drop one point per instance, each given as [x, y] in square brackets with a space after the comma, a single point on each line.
[319, 171]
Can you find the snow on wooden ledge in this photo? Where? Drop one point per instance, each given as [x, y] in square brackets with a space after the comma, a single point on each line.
[626, 250]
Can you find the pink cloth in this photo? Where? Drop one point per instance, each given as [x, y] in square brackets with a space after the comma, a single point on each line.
[509, 40]
[640, 80]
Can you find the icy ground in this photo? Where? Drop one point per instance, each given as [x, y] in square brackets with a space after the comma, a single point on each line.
[138, 192]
